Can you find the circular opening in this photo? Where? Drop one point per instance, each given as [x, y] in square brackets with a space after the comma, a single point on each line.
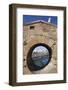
[38, 57]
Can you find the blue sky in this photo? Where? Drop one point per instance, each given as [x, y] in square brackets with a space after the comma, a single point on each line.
[40, 49]
[30, 18]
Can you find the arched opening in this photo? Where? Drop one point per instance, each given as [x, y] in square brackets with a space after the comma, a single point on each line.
[38, 56]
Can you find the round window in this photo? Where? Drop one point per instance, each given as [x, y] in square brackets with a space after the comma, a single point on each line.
[38, 57]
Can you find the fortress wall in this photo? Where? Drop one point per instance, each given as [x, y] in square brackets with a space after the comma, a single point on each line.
[42, 33]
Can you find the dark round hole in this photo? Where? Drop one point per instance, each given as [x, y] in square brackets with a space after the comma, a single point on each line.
[38, 57]
[24, 59]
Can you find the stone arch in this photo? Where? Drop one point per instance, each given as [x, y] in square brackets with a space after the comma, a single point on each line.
[33, 41]
[30, 63]
[37, 40]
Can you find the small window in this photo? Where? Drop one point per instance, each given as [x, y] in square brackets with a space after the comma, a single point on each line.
[32, 27]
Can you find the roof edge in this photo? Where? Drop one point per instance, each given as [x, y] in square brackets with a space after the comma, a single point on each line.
[39, 21]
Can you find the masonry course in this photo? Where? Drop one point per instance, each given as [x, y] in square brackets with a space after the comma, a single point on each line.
[40, 32]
